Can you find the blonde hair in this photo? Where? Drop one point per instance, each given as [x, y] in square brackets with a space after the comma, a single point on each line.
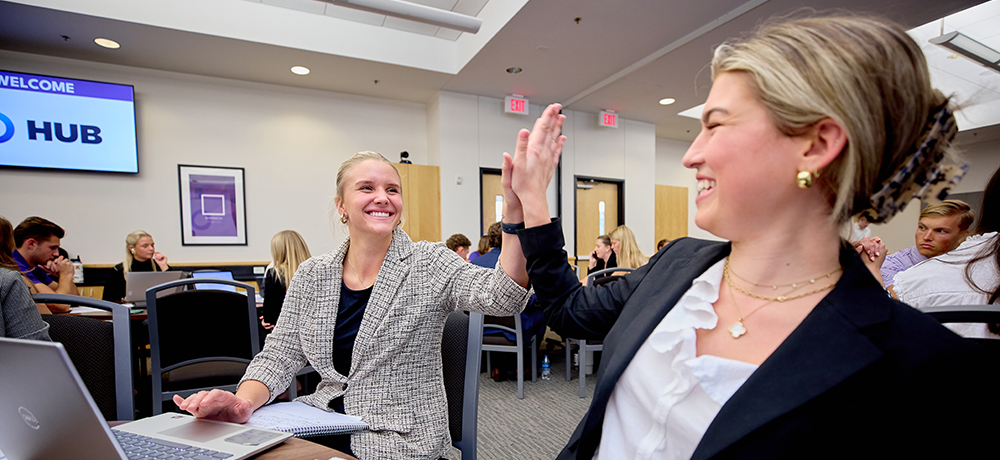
[629, 254]
[130, 242]
[948, 208]
[356, 159]
[867, 74]
[288, 250]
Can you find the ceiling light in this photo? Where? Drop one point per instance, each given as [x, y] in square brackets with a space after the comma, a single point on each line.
[513, 70]
[299, 70]
[107, 43]
[414, 12]
[667, 101]
[962, 44]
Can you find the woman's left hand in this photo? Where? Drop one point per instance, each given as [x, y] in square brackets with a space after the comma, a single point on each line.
[512, 212]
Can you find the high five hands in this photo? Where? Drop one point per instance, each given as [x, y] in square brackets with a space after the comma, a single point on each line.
[527, 174]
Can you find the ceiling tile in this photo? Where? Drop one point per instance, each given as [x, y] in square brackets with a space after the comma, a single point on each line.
[351, 14]
[410, 26]
[446, 5]
[470, 7]
[448, 34]
[308, 6]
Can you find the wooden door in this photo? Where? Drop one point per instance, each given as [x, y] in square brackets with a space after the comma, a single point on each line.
[422, 201]
[596, 215]
[492, 204]
[671, 213]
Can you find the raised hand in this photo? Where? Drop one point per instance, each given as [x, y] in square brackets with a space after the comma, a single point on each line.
[534, 163]
[161, 260]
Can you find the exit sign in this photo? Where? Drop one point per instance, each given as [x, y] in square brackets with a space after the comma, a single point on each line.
[515, 104]
[608, 119]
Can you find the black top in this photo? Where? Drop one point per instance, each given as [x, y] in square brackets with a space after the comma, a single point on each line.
[612, 263]
[274, 296]
[349, 314]
[114, 286]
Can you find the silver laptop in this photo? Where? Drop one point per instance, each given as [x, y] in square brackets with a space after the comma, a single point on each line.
[47, 413]
[136, 284]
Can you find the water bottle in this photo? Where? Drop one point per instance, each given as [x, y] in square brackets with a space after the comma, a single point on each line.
[545, 368]
[78, 273]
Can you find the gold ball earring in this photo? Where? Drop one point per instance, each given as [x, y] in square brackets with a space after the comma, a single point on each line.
[805, 179]
[343, 219]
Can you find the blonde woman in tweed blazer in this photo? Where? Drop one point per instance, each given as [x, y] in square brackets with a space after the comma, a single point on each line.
[395, 381]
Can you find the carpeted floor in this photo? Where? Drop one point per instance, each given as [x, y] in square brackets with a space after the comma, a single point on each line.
[536, 427]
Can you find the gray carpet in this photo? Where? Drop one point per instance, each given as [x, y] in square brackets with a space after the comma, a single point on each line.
[536, 427]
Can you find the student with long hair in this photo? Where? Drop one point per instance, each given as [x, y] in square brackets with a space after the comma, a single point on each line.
[627, 248]
[20, 318]
[778, 343]
[140, 256]
[288, 251]
[369, 318]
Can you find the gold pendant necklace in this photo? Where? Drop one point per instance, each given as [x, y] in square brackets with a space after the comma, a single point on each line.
[795, 284]
[739, 329]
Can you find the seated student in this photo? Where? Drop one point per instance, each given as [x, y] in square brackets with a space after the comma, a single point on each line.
[941, 228]
[482, 248]
[460, 244]
[489, 259]
[19, 316]
[37, 256]
[860, 226]
[369, 318]
[288, 250]
[660, 244]
[778, 343]
[626, 248]
[140, 256]
[967, 275]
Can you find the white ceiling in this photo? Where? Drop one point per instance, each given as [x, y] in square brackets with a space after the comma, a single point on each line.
[620, 55]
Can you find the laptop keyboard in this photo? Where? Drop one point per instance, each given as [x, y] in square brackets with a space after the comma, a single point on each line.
[139, 447]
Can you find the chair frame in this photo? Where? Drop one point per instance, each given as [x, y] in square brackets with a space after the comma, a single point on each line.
[156, 371]
[585, 349]
[518, 332]
[964, 313]
[470, 394]
[124, 402]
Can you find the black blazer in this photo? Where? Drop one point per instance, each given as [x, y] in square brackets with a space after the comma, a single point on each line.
[862, 376]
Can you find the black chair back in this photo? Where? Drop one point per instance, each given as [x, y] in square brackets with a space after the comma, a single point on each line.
[460, 355]
[100, 351]
[199, 339]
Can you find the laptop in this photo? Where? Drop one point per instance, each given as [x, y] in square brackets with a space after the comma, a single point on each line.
[214, 275]
[136, 284]
[46, 412]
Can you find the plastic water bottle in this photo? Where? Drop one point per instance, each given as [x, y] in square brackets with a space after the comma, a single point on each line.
[545, 368]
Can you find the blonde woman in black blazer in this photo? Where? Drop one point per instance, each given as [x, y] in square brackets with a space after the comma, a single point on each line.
[778, 343]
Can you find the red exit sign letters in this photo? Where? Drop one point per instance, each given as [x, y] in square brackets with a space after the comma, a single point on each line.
[608, 119]
[515, 104]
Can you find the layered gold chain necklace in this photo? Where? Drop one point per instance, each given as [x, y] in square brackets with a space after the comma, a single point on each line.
[738, 329]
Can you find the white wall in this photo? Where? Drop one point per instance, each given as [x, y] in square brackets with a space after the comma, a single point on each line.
[671, 171]
[289, 140]
[475, 132]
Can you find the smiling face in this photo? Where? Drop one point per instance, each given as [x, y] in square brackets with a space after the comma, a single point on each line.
[371, 198]
[938, 235]
[745, 166]
[143, 249]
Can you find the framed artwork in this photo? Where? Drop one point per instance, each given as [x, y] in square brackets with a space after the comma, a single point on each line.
[213, 206]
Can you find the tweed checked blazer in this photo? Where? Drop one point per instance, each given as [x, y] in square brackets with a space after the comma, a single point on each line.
[395, 382]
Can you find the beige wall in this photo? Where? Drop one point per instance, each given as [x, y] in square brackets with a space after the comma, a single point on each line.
[290, 141]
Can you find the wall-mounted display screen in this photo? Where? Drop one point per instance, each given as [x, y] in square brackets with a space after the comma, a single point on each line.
[62, 123]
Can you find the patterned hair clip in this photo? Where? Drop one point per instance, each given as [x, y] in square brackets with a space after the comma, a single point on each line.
[928, 173]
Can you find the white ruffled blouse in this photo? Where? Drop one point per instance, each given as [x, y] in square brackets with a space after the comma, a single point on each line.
[668, 395]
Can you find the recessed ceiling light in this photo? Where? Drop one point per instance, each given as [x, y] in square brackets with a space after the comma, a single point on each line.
[299, 70]
[107, 43]
[513, 70]
[667, 101]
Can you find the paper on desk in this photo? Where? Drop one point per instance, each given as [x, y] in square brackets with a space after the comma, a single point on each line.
[85, 310]
[303, 420]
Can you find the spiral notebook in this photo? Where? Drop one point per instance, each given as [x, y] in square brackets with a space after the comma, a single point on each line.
[303, 420]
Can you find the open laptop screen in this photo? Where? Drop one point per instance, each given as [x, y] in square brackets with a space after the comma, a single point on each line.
[216, 275]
